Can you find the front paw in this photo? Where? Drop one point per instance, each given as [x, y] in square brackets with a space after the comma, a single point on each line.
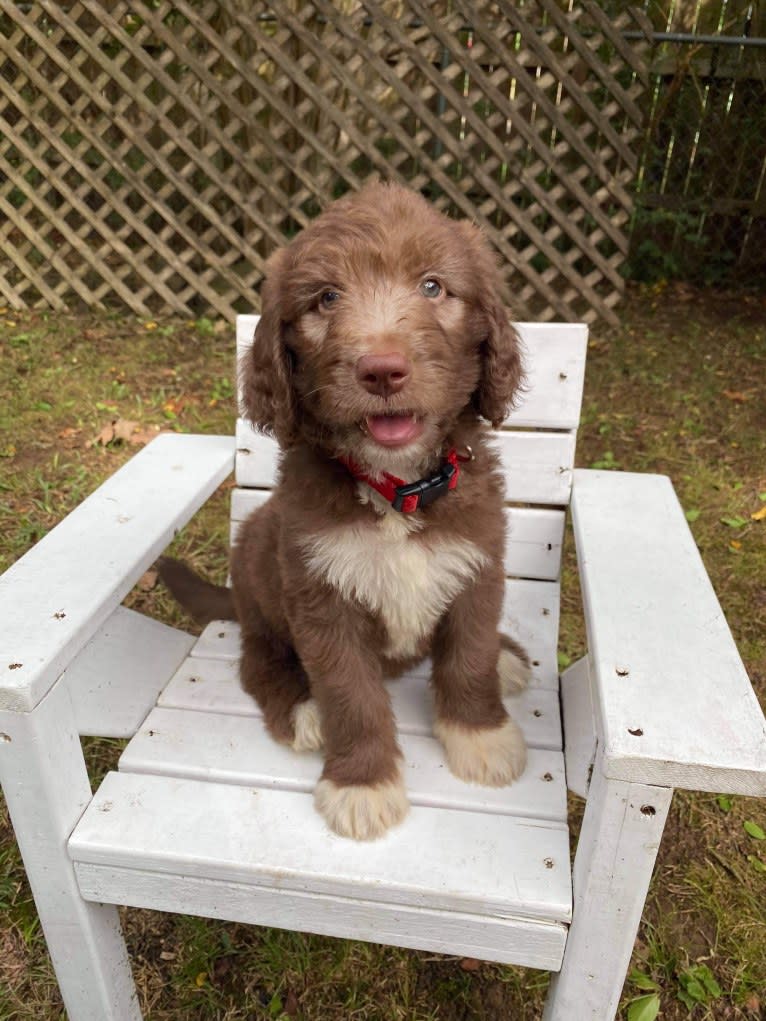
[361, 811]
[493, 756]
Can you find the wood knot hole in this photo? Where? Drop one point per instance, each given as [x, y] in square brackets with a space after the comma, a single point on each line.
[637, 732]
[648, 810]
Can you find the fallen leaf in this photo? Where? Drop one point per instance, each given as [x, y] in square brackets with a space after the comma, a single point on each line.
[124, 429]
[645, 1008]
[739, 396]
[759, 515]
[734, 522]
[105, 436]
[140, 437]
[470, 964]
[754, 830]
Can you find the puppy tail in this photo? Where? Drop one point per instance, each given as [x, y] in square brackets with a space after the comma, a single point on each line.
[201, 599]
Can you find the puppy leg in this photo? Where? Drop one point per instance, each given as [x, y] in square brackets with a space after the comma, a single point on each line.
[482, 742]
[361, 792]
[271, 672]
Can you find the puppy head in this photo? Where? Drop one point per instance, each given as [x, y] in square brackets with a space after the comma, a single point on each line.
[381, 324]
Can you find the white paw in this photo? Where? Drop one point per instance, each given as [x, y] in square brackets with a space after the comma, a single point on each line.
[308, 726]
[493, 756]
[360, 811]
[513, 672]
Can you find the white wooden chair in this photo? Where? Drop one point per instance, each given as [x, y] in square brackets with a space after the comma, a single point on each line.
[208, 816]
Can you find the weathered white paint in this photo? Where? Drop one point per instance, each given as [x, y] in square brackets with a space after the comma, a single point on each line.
[212, 685]
[617, 848]
[115, 679]
[275, 839]
[46, 789]
[674, 705]
[237, 749]
[520, 941]
[58, 594]
[554, 361]
[579, 728]
[537, 465]
[257, 457]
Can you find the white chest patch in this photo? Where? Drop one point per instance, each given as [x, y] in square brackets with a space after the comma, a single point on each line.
[391, 571]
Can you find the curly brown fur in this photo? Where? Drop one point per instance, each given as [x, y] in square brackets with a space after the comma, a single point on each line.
[334, 590]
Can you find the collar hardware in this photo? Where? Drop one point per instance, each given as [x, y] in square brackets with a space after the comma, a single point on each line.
[408, 497]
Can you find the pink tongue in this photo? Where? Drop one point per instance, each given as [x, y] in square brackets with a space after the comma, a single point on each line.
[392, 430]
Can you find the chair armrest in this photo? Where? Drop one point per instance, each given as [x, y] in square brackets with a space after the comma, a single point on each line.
[673, 704]
[58, 594]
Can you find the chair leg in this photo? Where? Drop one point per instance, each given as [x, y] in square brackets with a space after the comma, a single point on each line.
[46, 788]
[615, 856]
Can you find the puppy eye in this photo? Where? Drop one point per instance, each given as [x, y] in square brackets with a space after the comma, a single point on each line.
[329, 298]
[431, 288]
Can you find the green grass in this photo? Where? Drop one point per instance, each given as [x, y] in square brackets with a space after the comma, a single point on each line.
[678, 388]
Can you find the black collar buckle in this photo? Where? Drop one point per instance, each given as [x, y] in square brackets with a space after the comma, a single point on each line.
[414, 495]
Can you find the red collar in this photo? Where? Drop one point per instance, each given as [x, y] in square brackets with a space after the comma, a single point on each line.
[408, 497]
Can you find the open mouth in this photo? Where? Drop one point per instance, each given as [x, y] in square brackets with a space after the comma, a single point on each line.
[395, 430]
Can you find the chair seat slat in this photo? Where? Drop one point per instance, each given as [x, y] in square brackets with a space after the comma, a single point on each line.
[276, 839]
[237, 749]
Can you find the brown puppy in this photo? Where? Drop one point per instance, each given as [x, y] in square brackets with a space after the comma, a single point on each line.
[381, 346]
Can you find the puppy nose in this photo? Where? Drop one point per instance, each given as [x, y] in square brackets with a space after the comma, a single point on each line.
[383, 374]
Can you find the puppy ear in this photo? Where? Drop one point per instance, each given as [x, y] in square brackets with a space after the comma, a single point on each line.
[266, 369]
[502, 373]
[501, 369]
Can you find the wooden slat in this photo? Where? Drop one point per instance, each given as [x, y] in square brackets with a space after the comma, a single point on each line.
[673, 702]
[237, 749]
[212, 686]
[256, 461]
[114, 681]
[537, 465]
[275, 839]
[58, 594]
[554, 359]
[518, 941]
